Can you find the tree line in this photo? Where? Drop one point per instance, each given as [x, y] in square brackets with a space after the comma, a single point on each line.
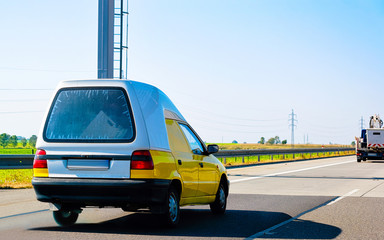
[7, 140]
[272, 140]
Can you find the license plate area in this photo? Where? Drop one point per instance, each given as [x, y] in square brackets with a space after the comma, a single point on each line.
[88, 164]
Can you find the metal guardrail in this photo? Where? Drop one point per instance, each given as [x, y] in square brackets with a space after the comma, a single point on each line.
[16, 161]
[25, 161]
[224, 154]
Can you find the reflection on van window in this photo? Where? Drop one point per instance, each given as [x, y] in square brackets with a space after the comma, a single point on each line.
[90, 114]
[192, 139]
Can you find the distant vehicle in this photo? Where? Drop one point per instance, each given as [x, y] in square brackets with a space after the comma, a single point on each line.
[118, 143]
[370, 145]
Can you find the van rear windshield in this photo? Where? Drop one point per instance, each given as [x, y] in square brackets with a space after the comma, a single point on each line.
[90, 115]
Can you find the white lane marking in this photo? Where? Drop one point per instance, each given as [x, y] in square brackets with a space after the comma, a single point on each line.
[267, 231]
[292, 171]
[21, 214]
[345, 195]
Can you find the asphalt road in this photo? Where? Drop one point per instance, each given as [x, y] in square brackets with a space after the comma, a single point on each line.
[335, 198]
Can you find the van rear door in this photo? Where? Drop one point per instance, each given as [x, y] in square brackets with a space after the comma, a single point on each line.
[86, 130]
[375, 138]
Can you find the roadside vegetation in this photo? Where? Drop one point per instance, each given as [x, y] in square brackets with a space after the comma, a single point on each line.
[275, 143]
[21, 178]
[17, 151]
[248, 146]
[12, 144]
[250, 160]
[8, 141]
[15, 178]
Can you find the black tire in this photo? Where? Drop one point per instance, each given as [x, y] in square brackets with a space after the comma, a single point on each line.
[172, 213]
[220, 204]
[359, 160]
[65, 218]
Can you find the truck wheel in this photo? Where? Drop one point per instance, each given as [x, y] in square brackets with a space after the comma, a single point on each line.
[358, 160]
[220, 203]
[172, 213]
[65, 217]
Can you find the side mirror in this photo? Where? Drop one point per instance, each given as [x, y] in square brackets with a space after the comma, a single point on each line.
[212, 148]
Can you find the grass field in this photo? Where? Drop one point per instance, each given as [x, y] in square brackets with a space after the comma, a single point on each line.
[237, 146]
[17, 151]
[16, 178]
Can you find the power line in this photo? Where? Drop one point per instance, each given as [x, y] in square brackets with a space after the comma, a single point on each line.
[221, 130]
[38, 70]
[361, 123]
[199, 110]
[21, 112]
[216, 122]
[26, 89]
[23, 100]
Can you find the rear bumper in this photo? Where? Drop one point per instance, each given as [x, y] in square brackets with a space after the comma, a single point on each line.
[101, 192]
[370, 155]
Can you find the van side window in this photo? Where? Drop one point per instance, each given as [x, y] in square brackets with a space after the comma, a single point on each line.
[176, 138]
[193, 141]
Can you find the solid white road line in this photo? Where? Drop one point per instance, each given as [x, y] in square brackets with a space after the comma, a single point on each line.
[345, 195]
[22, 214]
[292, 171]
[267, 231]
[330, 202]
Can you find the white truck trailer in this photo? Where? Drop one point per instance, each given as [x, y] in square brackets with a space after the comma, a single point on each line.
[370, 145]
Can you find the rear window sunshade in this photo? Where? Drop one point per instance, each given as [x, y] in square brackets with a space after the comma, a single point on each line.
[96, 114]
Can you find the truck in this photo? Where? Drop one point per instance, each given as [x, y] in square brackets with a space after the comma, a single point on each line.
[370, 144]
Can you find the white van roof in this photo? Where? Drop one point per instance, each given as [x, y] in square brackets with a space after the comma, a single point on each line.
[155, 106]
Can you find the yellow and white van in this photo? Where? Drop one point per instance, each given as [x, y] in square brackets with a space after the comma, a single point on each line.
[123, 144]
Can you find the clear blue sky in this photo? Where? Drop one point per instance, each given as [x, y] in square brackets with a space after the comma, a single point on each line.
[235, 69]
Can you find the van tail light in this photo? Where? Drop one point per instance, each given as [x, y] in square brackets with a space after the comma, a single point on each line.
[40, 152]
[358, 154]
[40, 165]
[141, 159]
[37, 163]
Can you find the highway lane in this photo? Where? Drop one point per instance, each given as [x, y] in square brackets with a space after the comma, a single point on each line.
[261, 197]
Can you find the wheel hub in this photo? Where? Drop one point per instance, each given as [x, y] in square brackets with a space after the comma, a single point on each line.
[172, 208]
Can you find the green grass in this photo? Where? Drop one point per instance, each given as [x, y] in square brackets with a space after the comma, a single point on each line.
[16, 178]
[237, 146]
[16, 151]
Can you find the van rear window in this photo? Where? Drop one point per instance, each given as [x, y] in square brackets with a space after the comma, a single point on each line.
[90, 115]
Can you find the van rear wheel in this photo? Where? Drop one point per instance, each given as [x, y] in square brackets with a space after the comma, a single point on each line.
[220, 203]
[172, 213]
[65, 218]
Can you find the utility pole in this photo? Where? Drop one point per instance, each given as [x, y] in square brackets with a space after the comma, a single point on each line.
[105, 39]
[361, 123]
[292, 124]
[112, 54]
